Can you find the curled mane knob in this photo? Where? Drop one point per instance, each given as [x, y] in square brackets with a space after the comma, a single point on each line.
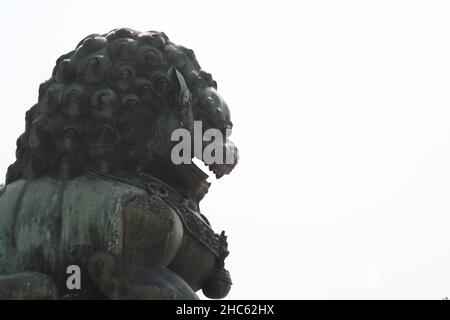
[122, 49]
[144, 88]
[52, 98]
[75, 100]
[64, 70]
[93, 69]
[39, 134]
[101, 137]
[90, 44]
[148, 95]
[130, 104]
[153, 38]
[123, 76]
[68, 138]
[161, 82]
[121, 33]
[104, 103]
[149, 56]
[67, 165]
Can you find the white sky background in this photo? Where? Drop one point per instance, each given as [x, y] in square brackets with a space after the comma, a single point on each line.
[342, 117]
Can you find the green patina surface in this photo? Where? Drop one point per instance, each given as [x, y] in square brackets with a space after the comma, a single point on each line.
[54, 220]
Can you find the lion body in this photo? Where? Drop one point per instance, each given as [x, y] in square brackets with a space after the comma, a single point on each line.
[111, 106]
[47, 225]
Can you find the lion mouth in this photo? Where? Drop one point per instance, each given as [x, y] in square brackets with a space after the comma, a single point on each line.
[231, 153]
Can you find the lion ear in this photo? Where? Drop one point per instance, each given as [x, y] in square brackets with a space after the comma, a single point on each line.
[181, 88]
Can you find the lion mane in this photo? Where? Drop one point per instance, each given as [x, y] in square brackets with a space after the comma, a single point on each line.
[102, 107]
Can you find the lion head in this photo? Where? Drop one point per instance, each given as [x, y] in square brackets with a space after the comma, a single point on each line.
[112, 103]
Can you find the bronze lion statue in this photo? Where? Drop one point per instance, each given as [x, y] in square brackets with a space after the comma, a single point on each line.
[94, 207]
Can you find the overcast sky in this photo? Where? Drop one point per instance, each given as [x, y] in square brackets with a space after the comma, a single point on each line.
[341, 112]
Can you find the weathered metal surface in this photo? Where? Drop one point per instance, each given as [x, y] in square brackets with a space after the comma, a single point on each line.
[94, 176]
[114, 281]
[26, 286]
[47, 224]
